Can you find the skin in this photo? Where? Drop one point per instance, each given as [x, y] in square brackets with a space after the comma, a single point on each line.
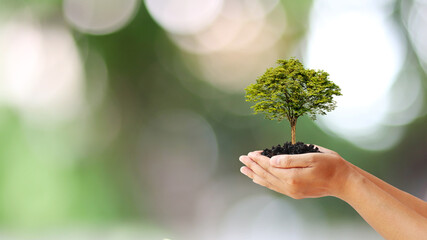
[393, 213]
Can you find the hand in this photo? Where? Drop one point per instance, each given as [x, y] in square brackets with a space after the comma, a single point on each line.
[299, 176]
[391, 212]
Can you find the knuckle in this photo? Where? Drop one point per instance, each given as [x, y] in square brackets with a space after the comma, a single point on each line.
[292, 178]
[291, 181]
[250, 164]
[264, 174]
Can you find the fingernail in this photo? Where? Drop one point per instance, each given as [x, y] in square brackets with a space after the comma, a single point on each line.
[275, 160]
[242, 170]
[240, 158]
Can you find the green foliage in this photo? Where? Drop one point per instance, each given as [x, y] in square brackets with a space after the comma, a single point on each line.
[291, 91]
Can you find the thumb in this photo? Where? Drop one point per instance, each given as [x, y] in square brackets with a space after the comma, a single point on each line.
[290, 161]
[275, 161]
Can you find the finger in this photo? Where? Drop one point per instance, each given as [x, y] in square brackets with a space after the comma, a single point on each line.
[257, 169]
[255, 178]
[248, 172]
[292, 161]
[261, 160]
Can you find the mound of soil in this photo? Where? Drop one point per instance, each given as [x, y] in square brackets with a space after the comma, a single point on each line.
[289, 148]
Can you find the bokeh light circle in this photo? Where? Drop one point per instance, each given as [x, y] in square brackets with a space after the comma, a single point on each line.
[40, 70]
[99, 16]
[184, 16]
[235, 49]
[417, 29]
[363, 52]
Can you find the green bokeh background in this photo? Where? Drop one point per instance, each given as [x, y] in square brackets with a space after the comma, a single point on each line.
[75, 175]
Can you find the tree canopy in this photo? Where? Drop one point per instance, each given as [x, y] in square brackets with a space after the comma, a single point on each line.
[290, 91]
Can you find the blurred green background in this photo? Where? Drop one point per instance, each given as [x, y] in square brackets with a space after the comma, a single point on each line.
[124, 119]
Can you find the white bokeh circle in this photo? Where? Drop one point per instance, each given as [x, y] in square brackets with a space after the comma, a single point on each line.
[363, 52]
[184, 16]
[99, 16]
[40, 70]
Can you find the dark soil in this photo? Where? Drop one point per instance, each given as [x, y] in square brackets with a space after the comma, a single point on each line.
[289, 148]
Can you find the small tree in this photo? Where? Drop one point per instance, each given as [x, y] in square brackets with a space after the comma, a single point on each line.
[291, 91]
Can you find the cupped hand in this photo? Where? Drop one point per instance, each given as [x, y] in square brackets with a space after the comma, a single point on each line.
[308, 175]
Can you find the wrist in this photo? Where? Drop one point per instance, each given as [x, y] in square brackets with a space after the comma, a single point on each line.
[348, 182]
[350, 185]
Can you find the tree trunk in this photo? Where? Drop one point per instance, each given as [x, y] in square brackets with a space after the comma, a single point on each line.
[293, 128]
